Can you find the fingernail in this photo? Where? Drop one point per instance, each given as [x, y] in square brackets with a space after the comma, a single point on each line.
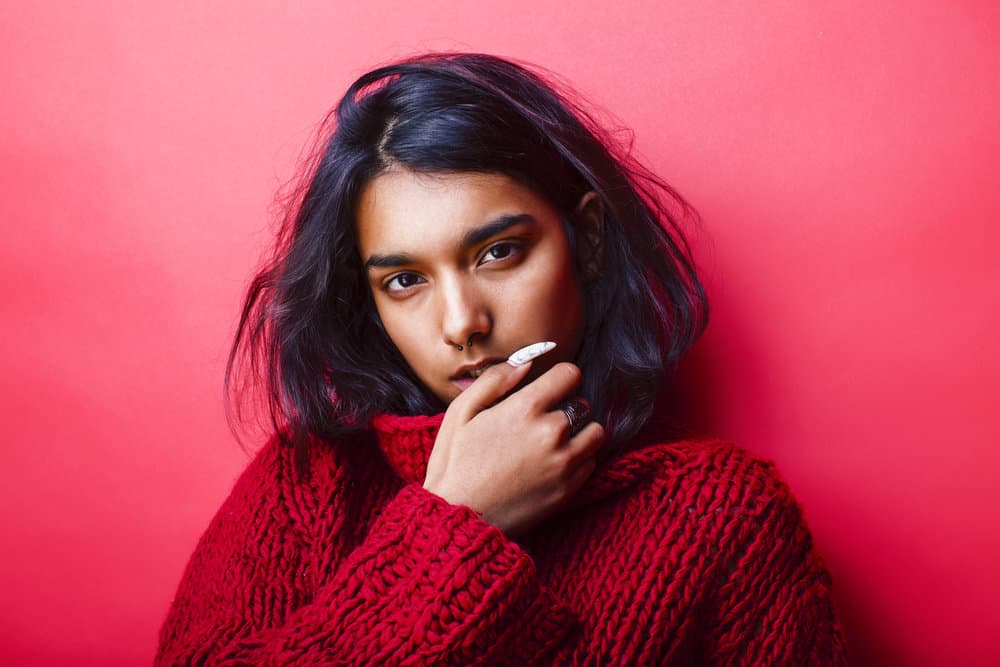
[533, 351]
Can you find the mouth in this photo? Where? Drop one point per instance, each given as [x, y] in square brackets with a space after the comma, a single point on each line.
[473, 372]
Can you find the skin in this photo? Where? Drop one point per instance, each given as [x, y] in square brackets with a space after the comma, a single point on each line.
[466, 256]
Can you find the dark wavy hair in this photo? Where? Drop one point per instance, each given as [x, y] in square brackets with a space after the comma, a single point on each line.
[309, 333]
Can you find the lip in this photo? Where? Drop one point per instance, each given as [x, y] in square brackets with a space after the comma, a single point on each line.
[461, 373]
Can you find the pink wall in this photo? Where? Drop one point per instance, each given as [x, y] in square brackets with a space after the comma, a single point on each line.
[844, 159]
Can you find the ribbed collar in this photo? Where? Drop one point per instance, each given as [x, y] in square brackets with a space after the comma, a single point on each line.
[407, 441]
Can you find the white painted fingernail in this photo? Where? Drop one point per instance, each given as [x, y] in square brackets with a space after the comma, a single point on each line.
[533, 351]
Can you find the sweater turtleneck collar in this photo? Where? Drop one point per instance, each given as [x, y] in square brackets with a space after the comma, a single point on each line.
[407, 441]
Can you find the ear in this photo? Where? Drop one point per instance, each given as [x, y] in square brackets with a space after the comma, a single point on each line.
[589, 222]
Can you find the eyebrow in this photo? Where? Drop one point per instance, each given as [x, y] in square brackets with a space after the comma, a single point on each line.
[471, 238]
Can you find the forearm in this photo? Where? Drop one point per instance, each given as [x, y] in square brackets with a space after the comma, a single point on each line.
[430, 583]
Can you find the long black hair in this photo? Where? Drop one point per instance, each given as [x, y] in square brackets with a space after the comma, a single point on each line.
[309, 333]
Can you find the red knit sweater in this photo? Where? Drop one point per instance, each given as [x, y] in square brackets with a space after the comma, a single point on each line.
[675, 553]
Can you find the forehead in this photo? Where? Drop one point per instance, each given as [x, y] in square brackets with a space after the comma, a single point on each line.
[403, 211]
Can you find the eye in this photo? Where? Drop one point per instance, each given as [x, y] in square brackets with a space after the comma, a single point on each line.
[499, 251]
[402, 282]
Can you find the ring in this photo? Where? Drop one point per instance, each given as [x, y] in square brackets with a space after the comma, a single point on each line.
[577, 411]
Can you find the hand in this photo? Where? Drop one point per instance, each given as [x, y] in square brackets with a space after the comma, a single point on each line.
[512, 460]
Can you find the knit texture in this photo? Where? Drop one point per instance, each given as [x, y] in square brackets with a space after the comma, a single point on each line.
[678, 553]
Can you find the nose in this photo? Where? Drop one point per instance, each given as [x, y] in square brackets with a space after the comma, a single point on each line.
[465, 312]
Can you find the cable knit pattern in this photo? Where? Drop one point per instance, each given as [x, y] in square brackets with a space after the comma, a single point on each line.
[681, 553]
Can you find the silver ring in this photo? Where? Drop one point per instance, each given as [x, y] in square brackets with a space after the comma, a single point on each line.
[577, 411]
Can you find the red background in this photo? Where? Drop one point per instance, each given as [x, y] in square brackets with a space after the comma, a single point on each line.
[844, 157]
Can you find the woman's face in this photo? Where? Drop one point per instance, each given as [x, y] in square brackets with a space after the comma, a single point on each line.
[459, 257]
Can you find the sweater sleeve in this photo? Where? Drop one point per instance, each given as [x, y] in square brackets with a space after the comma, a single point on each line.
[774, 607]
[428, 583]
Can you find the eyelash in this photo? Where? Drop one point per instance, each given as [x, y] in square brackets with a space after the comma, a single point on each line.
[388, 285]
[512, 246]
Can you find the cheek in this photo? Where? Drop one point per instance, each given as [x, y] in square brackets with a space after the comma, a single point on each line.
[561, 285]
[410, 330]
[550, 300]
[404, 332]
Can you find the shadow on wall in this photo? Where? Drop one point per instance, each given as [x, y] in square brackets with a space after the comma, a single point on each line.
[696, 404]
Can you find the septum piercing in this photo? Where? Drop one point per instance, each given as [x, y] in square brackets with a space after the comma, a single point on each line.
[468, 343]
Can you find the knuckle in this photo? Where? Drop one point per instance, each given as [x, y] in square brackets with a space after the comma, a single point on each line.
[555, 430]
[562, 462]
[559, 494]
[597, 433]
[531, 402]
[498, 371]
[571, 372]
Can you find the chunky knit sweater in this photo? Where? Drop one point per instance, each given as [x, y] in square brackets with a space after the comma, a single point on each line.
[687, 553]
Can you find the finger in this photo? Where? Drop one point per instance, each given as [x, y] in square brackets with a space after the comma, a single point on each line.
[580, 476]
[551, 387]
[586, 443]
[577, 411]
[489, 388]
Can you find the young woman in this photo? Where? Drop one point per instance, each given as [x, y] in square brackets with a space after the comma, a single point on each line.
[424, 501]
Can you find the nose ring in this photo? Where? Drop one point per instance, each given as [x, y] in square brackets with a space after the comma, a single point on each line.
[468, 343]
